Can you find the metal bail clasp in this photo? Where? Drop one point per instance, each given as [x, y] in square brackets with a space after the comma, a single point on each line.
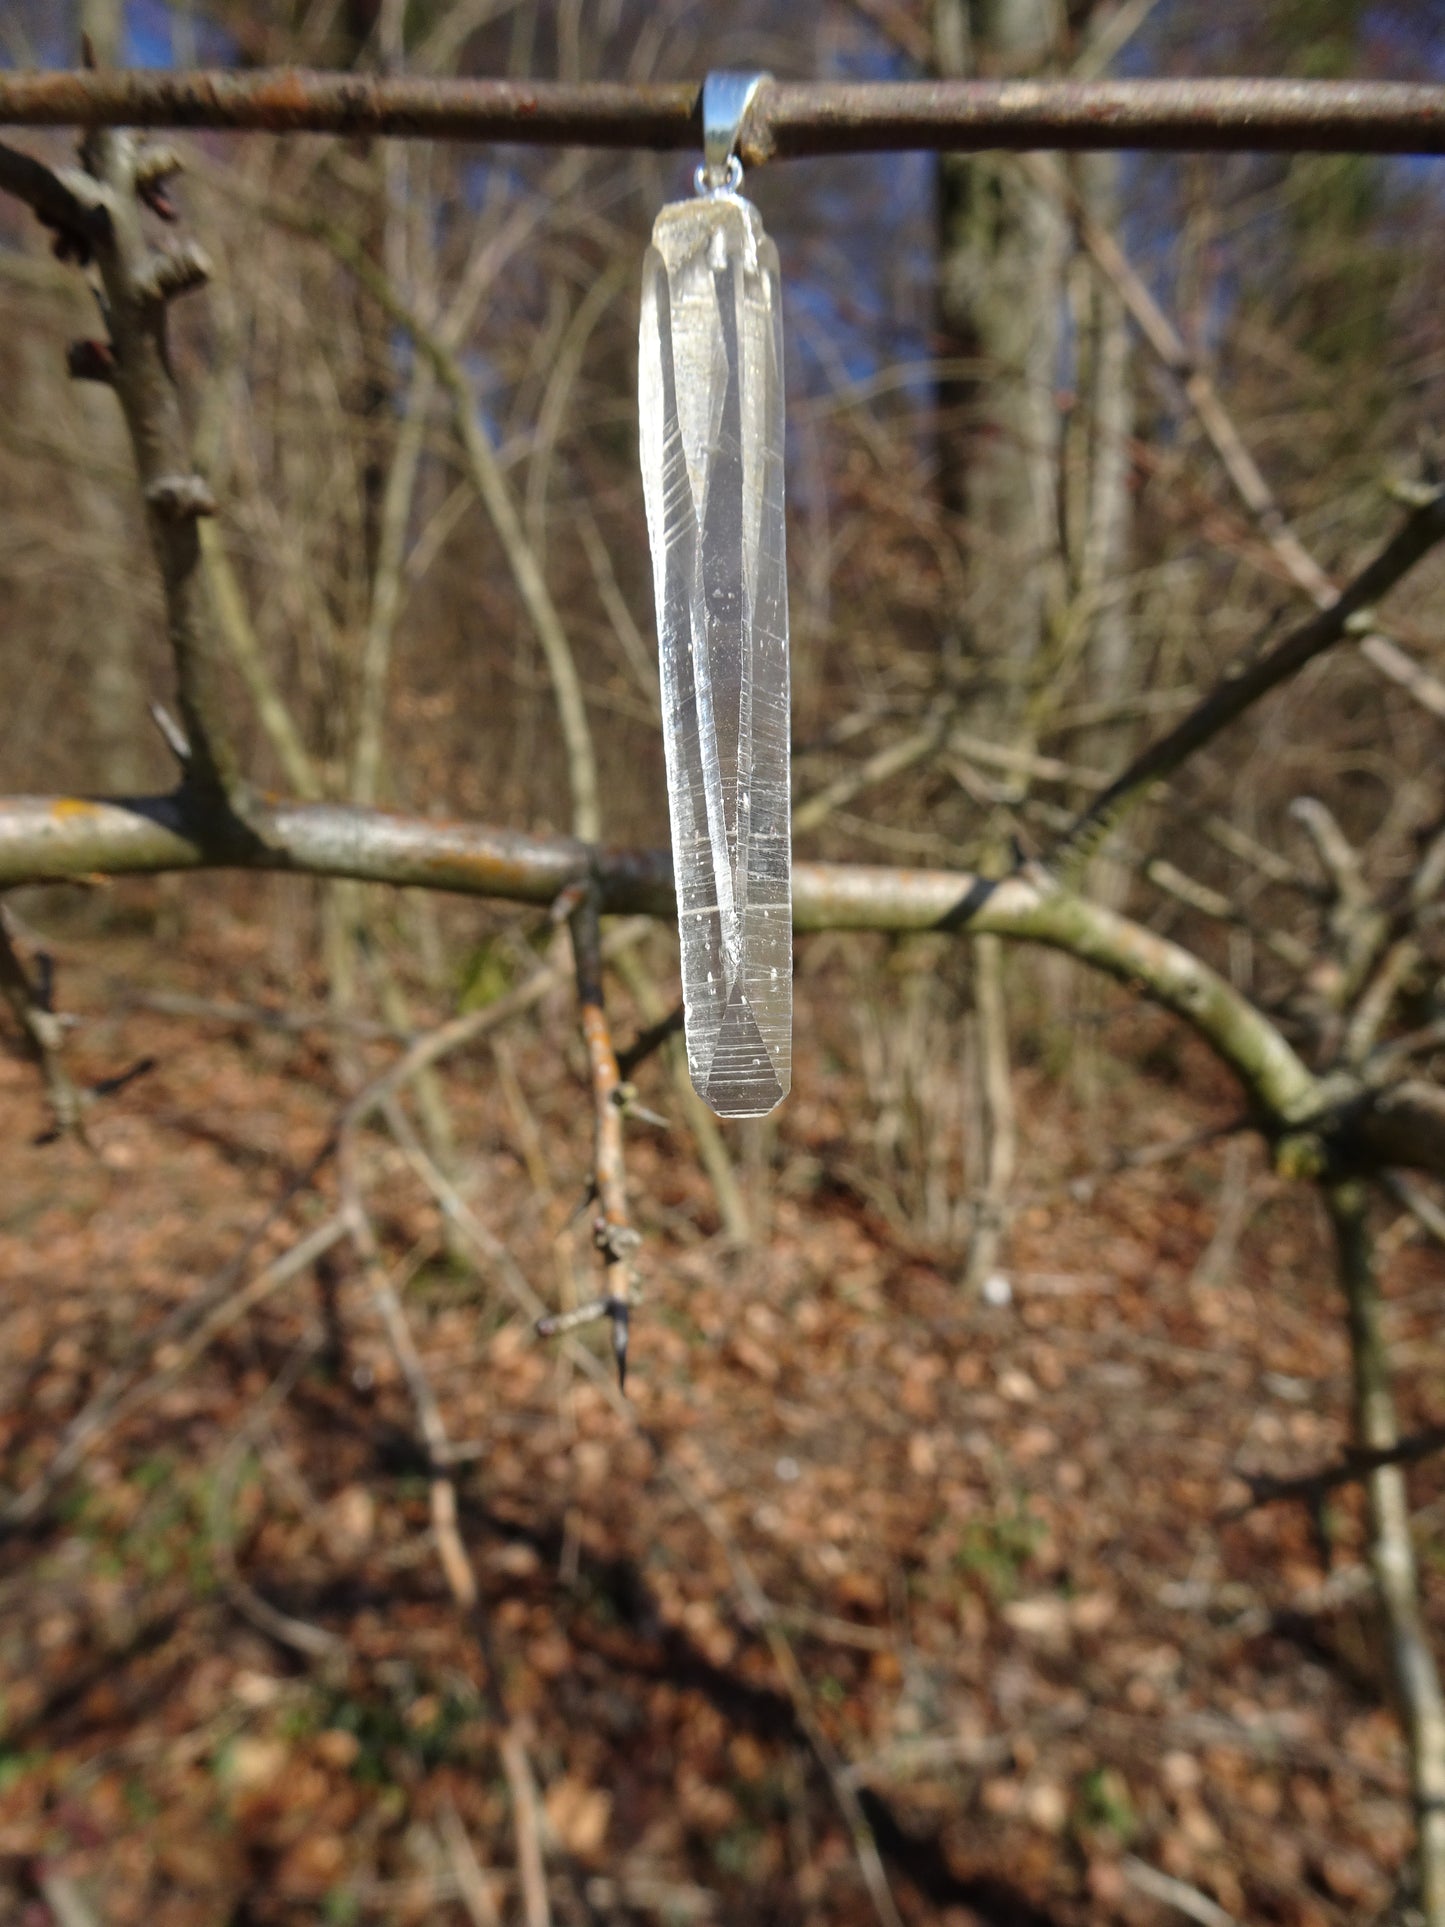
[726, 98]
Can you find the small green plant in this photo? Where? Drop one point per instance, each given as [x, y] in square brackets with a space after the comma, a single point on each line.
[996, 1550]
[152, 1473]
[16, 1765]
[1104, 1806]
[735, 1851]
[385, 1730]
[140, 1802]
[486, 974]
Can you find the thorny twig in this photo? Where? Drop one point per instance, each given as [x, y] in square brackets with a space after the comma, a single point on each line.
[647, 1041]
[612, 1230]
[183, 1337]
[757, 1607]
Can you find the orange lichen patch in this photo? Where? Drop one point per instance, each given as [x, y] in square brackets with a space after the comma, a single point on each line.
[70, 806]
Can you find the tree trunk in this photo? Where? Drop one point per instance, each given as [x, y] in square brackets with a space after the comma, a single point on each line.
[1002, 248]
[1002, 255]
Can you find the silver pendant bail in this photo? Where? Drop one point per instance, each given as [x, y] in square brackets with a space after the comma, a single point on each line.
[726, 98]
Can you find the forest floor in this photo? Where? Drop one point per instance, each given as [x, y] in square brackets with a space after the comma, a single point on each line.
[1040, 1635]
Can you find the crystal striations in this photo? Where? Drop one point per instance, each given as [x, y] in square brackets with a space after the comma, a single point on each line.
[711, 412]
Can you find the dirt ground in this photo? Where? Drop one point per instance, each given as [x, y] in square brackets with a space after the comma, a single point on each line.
[1039, 1634]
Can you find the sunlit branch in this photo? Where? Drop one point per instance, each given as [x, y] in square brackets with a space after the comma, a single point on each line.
[57, 837]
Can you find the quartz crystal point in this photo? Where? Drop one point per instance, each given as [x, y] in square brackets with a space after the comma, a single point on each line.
[711, 413]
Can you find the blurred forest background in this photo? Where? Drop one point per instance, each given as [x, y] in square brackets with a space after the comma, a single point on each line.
[963, 1360]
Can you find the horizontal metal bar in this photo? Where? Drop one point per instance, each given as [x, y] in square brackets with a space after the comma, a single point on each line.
[787, 119]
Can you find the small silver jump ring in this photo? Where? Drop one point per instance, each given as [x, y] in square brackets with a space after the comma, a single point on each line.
[707, 183]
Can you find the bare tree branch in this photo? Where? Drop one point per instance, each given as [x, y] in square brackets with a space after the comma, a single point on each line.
[64, 202]
[1229, 445]
[48, 838]
[140, 282]
[438, 348]
[1240, 690]
[1267, 1489]
[53, 837]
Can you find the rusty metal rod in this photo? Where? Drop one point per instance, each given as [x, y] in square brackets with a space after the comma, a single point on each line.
[787, 119]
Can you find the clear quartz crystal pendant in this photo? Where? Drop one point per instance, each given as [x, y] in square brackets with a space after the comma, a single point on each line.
[711, 413]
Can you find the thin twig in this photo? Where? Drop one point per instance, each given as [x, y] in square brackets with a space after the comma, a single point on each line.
[1422, 1207]
[995, 1081]
[612, 1230]
[1392, 1554]
[1214, 418]
[314, 1642]
[649, 1041]
[1175, 1893]
[885, 763]
[60, 201]
[456, 1564]
[65, 1898]
[1352, 1469]
[1239, 691]
[175, 1355]
[44, 1035]
[472, 1883]
[291, 1023]
[526, 1821]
